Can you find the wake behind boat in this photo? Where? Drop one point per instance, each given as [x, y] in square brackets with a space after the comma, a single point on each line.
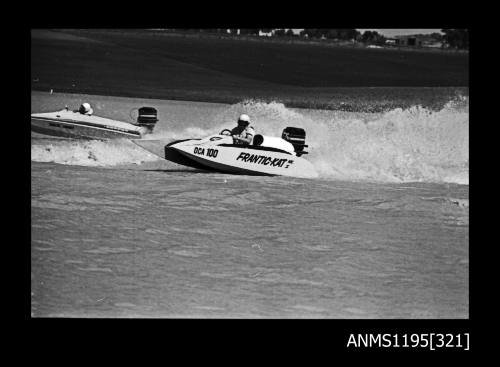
[265, 156]
[75, 124]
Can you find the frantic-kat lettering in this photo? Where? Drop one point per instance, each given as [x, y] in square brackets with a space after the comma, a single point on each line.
[262, 159]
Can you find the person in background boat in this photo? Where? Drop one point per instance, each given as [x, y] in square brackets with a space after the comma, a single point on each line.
[85, 109]
[243, 133]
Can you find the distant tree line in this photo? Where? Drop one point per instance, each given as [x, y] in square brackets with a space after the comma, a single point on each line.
[343, 34]
[340, 34]
[456, 38]
[451, 38]
[372, 37]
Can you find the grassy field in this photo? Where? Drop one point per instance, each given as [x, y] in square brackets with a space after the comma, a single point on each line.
[145, 64]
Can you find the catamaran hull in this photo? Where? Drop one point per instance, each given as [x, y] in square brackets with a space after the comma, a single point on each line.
[72, 124]
[78, 130]
[232, 159]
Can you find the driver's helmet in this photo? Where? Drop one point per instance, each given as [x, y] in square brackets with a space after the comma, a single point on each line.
[244, 120]
[85, 108]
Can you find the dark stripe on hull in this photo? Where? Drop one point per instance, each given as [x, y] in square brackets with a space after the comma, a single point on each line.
[175, 156]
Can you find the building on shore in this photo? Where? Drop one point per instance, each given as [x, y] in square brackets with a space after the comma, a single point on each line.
[266, 34]
[408, 41]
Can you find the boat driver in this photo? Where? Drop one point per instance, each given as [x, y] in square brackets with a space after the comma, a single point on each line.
[243, 133]
[85, 109]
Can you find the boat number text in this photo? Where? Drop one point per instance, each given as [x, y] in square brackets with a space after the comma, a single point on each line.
[210, 152]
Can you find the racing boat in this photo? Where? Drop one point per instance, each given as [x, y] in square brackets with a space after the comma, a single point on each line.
[73, 124]
[265, 156]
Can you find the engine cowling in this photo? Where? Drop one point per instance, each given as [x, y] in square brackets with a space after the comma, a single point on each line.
[297, 137]
[148, 117]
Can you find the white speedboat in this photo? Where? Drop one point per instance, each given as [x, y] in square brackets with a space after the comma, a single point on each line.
[73, 124]
[265, 156]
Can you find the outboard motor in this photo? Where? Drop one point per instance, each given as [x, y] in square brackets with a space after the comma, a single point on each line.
[297, 137]
[147, 117]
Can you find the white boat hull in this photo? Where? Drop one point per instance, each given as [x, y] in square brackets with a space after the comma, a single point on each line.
[221, 155]
[73, 125]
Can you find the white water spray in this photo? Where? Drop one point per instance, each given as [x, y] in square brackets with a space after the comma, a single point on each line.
[402, 145]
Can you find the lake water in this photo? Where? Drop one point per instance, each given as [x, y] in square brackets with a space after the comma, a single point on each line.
[382, 233]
